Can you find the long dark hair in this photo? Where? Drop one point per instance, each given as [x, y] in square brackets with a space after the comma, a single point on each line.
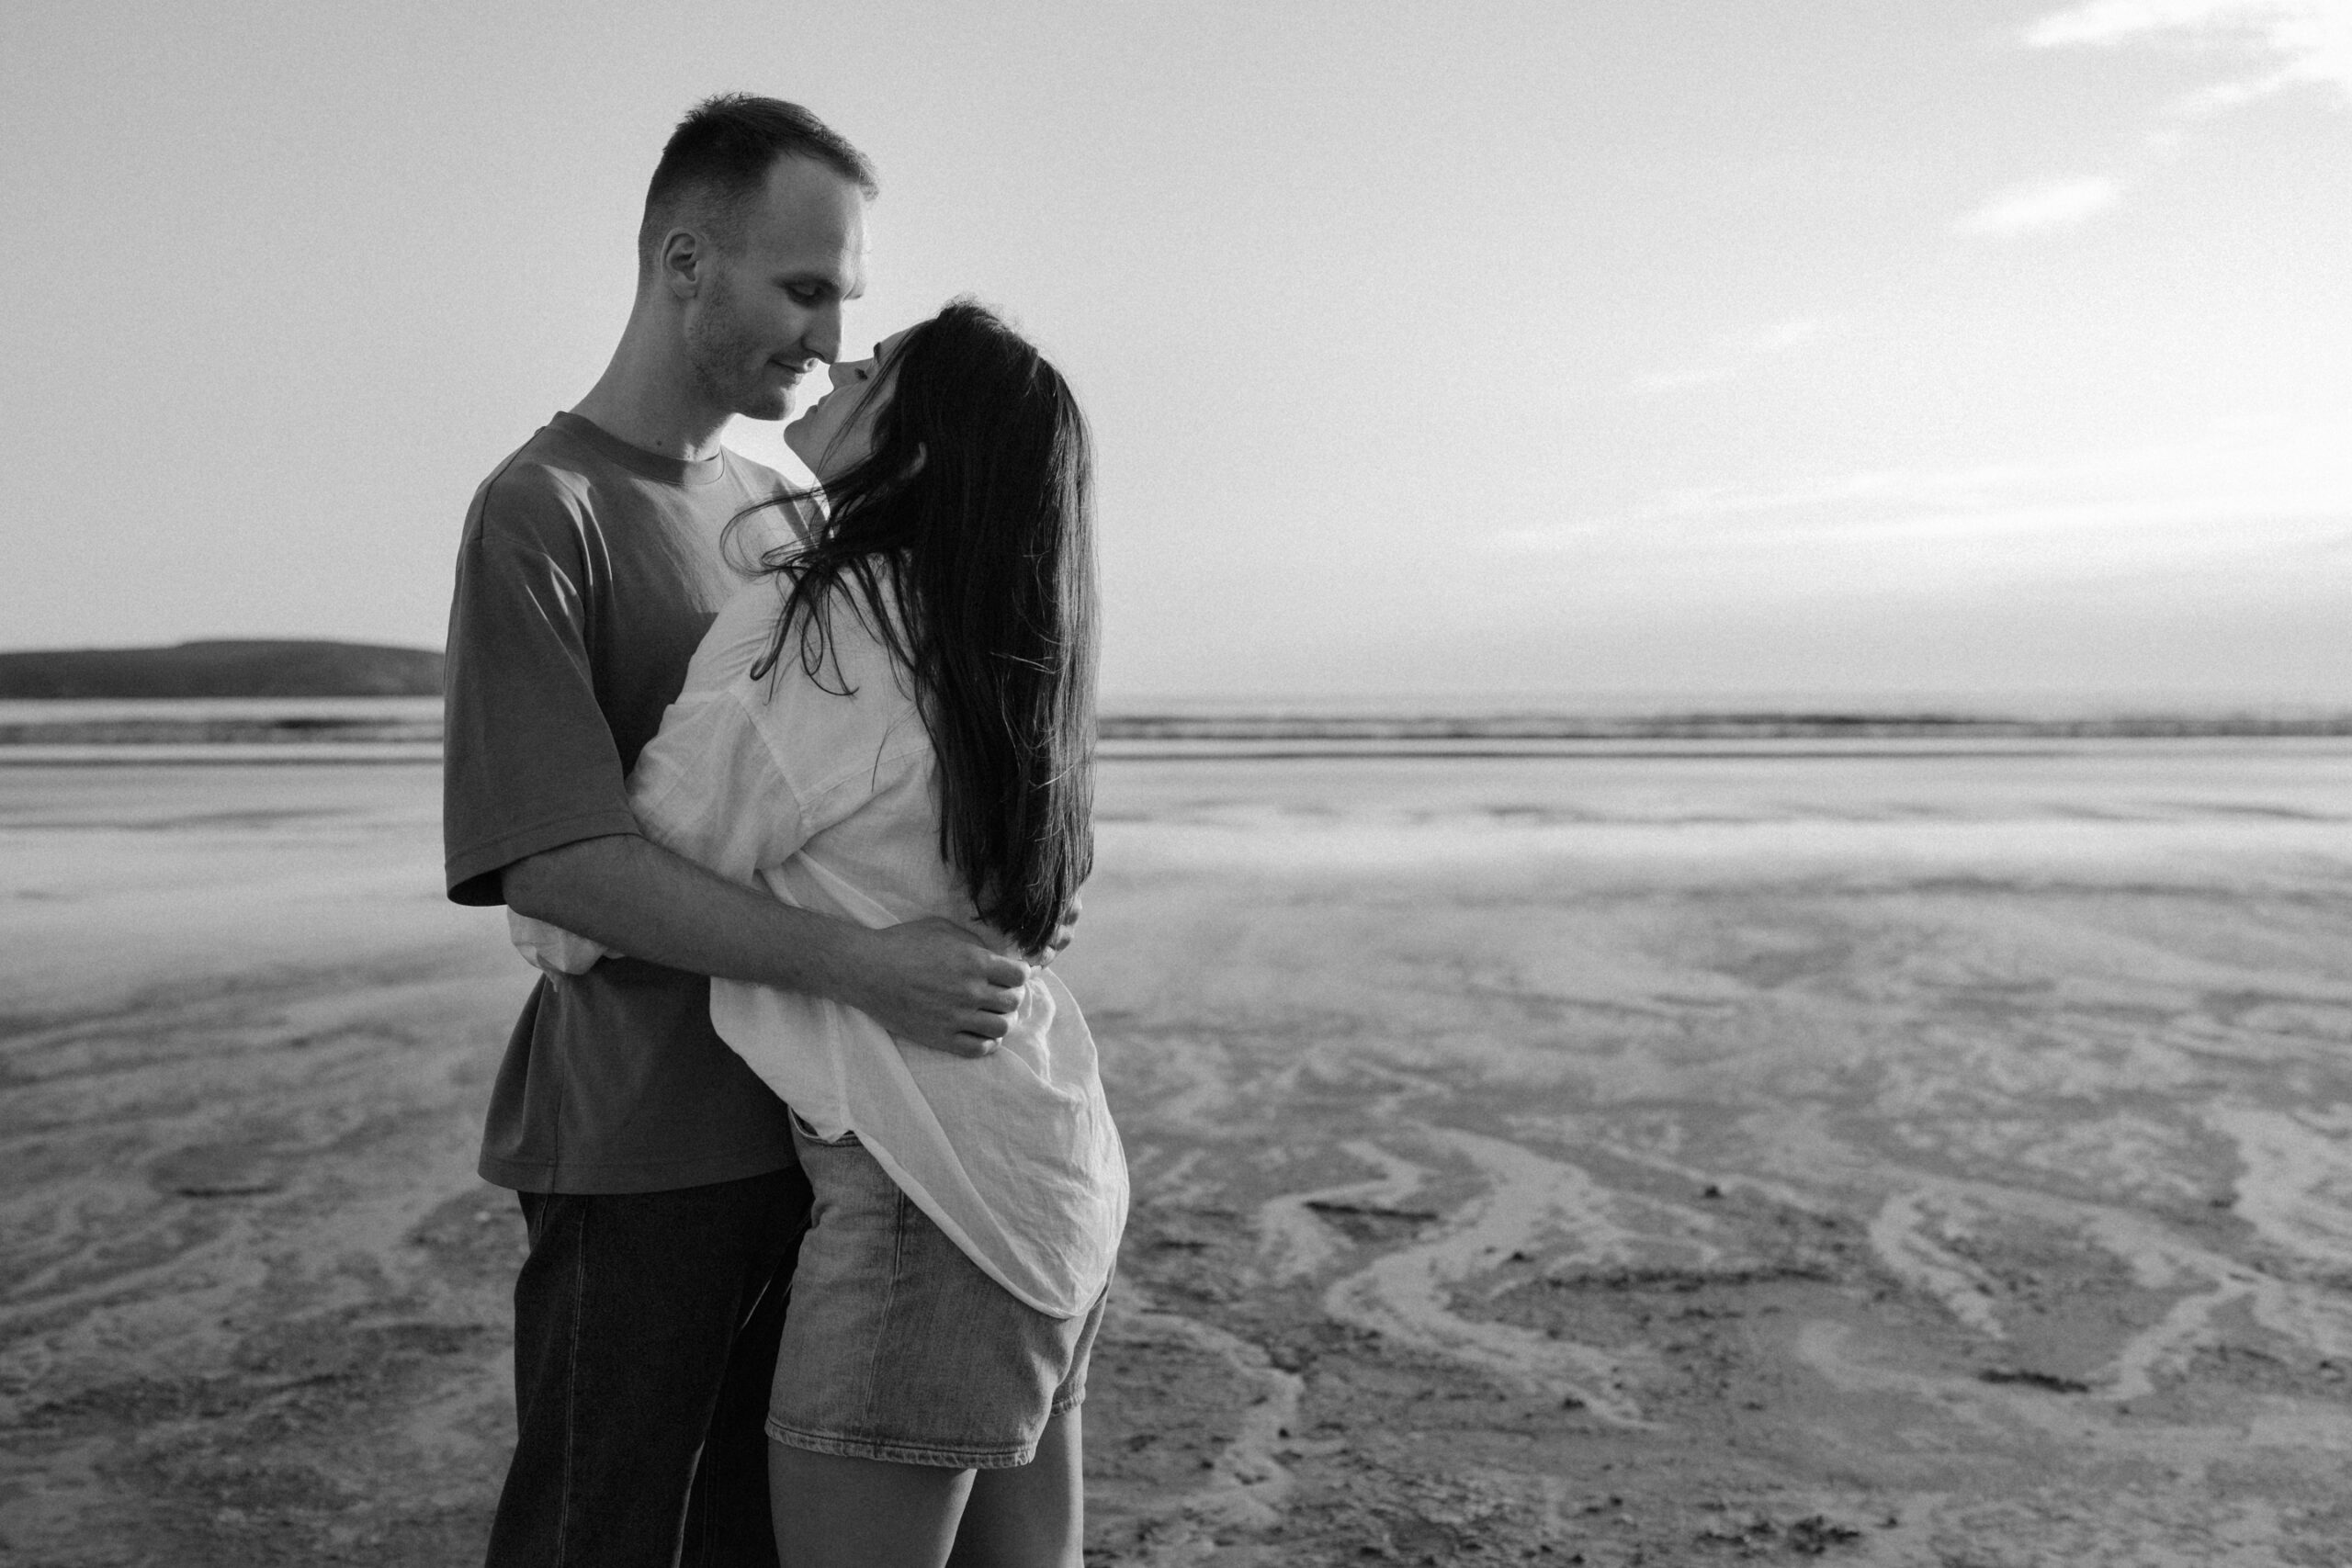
[975, 505]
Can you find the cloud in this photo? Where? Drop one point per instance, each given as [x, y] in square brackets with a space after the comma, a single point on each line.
[2304, 41]
[2252, 498]
[1777, 338]
[2040, 205]
[1875, 489]
[1684, 381]
[1782, 336]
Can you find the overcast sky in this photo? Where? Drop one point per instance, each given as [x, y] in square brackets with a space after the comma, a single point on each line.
[1564, 347]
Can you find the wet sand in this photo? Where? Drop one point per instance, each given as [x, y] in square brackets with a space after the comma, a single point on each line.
[1891, 1156]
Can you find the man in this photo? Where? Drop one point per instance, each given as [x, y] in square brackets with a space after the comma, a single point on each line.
[656, 1173]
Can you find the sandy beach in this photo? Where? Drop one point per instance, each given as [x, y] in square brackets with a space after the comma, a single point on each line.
[1895, 1155]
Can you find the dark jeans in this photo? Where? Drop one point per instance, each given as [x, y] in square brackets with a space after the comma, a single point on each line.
[645, 1336]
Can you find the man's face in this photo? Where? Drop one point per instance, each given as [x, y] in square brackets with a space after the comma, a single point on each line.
[766, 313]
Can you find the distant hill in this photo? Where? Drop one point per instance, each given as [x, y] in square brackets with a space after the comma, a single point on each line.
[254, 669]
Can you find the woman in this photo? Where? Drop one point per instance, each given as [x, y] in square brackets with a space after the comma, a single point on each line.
[897, 723]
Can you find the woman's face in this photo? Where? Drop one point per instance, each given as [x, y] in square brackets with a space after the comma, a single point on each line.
[838, 428]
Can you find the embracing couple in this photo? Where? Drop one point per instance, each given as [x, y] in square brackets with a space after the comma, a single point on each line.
[788, 792]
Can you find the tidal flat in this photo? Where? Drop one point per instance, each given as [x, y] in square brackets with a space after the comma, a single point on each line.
[1927, 1153]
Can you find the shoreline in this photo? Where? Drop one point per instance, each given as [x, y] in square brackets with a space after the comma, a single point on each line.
[45, 732]
[304, 747]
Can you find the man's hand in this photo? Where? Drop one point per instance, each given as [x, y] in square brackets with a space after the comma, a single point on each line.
[932, 983]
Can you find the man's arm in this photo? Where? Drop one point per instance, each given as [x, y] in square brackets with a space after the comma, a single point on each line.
[930, 982]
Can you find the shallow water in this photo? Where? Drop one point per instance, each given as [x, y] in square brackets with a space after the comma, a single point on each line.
[1978, 1118]
[1940, 1155]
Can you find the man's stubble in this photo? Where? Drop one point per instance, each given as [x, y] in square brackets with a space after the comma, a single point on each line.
[728, 358]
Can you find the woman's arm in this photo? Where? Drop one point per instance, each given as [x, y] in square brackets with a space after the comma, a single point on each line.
[930, 982]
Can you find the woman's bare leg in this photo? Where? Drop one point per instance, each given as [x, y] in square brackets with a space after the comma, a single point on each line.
[1034, 1517]
[835, 1512]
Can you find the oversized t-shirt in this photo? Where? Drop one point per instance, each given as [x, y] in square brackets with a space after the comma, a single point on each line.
[824, 789]
[588, 572]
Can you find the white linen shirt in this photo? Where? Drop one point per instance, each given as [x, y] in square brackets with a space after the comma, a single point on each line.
[829, 801]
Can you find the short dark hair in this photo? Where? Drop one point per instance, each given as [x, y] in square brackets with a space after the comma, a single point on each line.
[721, 153]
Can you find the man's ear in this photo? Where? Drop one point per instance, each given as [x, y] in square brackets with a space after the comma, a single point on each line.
[682, 263]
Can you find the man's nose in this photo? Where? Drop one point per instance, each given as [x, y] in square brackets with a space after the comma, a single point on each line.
[823, 337]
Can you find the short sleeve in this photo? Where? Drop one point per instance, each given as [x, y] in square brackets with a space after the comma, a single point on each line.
[707, 787]
[529, 761]
[748, 769]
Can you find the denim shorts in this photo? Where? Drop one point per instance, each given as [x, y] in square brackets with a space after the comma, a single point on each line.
[897, 1347]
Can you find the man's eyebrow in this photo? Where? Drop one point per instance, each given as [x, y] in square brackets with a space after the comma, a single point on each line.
[826, 281]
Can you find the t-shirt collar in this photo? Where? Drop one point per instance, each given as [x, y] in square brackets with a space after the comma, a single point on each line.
[637, 459]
